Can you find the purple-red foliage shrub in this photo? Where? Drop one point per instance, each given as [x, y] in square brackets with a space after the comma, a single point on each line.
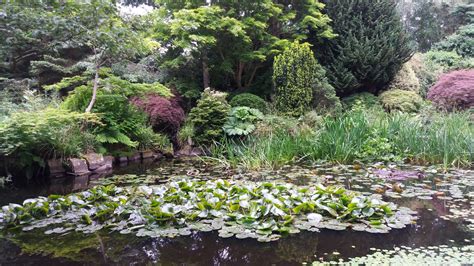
[454, 90]
[165, 115]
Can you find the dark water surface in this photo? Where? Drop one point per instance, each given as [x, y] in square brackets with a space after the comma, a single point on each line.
[36, 248]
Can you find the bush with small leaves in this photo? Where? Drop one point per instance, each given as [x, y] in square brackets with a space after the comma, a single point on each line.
[209, 116]
[301, 83]
[454, 90]
[400, 100]
[249, 100]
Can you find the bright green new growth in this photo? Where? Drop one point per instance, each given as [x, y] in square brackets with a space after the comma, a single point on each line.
[296, 76]
[249, 100]
[209, 116]
[401, 100]
[241, 121]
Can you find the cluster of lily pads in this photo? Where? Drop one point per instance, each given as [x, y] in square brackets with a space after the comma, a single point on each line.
[244, 209]
[433, 255]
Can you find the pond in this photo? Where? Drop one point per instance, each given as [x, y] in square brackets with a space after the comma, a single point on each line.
[443, 200]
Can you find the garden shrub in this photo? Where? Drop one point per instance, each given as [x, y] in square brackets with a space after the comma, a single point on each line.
[454, 90]
[400, 100]
[370, 47]
[241, 121]
[249, 100]
[461, 42]
[165, 115]
[209, 116]
[300, 82]
[364, 100]
[406, 79]
[121, 122]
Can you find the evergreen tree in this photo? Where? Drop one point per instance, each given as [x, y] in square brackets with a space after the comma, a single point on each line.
[300, 82]
[426, 23]
[370, 48]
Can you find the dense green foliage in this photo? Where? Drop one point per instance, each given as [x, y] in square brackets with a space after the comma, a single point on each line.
[300, 82]
[249, 100]
[461, 42]
[27, 138]
[294, 75]
[229, 44]
[209, 116]
[401, 100]
[241, 121]
[370, 48]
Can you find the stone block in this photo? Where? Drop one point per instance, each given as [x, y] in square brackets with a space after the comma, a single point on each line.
[109, 161]
[94, 160]
[135, 157]
[147, 154]
[55, 167]
[78, 166]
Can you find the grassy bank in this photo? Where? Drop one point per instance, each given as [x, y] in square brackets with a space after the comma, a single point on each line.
[436, 138]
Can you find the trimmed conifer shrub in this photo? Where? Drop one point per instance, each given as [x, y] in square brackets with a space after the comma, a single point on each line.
[209, 116]
[370, 48]
[300, 82]
[454, 90]
[400, 100]
[249, 100]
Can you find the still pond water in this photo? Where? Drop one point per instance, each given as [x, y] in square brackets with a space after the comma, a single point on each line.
[443, 201]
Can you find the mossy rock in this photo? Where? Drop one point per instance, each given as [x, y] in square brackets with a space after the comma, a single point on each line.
[401, 100]
[249, 100]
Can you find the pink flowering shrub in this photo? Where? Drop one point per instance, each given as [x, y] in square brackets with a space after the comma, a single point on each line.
[454, 90]
[165, 115]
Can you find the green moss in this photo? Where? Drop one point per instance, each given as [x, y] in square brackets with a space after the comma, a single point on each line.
[401, 100]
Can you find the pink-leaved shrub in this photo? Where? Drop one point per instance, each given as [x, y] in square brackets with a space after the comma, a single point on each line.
[165, 115]
[454, 90]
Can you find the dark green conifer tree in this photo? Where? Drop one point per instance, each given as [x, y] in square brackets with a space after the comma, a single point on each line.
[370, 48]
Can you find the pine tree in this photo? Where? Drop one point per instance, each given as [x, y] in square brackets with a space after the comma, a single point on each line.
[370, 48]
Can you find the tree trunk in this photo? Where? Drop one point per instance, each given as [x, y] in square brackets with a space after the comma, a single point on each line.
[94, 91]
[205, 72]
[238, 75]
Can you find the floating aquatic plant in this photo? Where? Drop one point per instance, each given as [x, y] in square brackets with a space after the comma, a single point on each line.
[433, 255]
[244, 209]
